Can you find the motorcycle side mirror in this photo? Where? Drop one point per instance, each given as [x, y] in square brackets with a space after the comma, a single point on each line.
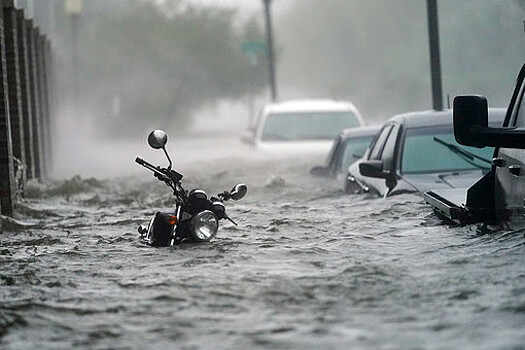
[238, 192]
[157, 139]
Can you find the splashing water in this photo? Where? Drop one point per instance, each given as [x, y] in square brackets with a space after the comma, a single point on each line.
[308, 267]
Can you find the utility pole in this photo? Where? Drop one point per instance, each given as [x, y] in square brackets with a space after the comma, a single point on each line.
[74, 9]
[269, 42]
[435, 61]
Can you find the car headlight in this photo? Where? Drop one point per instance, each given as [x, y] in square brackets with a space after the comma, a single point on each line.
[204, 226]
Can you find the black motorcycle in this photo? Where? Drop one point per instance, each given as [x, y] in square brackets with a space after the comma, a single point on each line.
[195, 218]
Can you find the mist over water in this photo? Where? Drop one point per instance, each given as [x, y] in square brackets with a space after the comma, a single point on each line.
[373, 53]
[307, 267]
[81, 150]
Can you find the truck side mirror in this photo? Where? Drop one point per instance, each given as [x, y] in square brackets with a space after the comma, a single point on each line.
[373, 168]
[470, 117]
[471, 125]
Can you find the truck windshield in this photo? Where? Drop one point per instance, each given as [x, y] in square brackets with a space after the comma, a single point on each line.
[306, 125]
[422, 154]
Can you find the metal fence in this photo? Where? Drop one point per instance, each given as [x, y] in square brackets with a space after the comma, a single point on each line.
[26, 91]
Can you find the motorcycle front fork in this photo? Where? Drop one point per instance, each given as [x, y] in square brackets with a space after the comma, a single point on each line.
[178, 216]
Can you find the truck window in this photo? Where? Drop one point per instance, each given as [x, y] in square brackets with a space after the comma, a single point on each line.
[519, 120]
[388, 152]
[377, 148]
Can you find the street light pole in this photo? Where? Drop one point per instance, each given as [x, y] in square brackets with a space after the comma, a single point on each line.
[269, 42]
[435, 60]
[74, 8]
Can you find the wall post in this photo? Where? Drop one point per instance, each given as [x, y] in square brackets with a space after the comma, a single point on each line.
[14, 93]
[41, 81]
[35, 103]
[7, 187]
[27, 114]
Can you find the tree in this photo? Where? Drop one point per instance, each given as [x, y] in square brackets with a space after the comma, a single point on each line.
[159, 63]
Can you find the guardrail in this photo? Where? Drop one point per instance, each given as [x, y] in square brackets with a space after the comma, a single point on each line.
[25, 104]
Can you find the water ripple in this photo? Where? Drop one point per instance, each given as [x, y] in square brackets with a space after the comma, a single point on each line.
[307, 267]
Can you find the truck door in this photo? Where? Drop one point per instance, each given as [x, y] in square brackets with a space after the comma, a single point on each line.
[509, 166]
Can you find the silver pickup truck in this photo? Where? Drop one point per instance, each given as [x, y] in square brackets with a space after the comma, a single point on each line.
[499, 196]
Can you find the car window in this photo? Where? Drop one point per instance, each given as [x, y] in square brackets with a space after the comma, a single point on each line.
[307, 125]
[379, 142]
[387, 156]
[334, 151]
[354, 149]
[423, 154]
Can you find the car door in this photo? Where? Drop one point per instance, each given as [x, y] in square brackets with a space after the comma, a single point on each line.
[509, 164]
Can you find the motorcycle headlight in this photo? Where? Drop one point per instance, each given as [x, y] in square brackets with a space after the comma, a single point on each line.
[204, 226]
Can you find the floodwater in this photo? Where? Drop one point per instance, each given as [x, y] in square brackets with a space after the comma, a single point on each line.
[308, 267]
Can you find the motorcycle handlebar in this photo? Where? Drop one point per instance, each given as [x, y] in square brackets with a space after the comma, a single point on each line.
[170, 177]
[142, 162]
[150, 167]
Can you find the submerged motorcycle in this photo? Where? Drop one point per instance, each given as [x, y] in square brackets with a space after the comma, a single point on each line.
[195, 217]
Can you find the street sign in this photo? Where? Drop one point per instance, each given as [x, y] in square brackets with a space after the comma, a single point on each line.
[253, 47]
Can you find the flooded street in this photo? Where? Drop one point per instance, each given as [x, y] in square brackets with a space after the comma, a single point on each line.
[308, 267]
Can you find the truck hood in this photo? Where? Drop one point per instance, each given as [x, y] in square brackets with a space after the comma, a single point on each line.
[296, 148]
[436, 181]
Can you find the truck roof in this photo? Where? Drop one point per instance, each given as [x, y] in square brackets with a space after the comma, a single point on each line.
[307, 105]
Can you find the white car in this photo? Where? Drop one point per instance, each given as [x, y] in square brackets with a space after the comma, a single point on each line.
[302, 125]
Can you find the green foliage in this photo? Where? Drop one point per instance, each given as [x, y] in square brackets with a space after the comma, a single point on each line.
[166, 59]
[161, 62]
